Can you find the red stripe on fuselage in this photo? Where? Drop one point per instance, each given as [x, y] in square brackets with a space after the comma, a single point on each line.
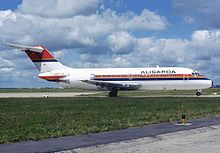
[51, 77]
[149, 76]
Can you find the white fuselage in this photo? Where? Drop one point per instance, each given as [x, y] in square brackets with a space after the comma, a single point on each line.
[113, 79]
[158, 78]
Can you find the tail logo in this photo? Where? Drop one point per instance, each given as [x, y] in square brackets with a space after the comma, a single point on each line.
[45, 56]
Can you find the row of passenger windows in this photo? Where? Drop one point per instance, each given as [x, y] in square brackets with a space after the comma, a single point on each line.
[133, 76]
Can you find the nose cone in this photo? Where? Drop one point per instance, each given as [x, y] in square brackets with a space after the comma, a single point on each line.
[205, 83]
[210, 83]
[213, 84]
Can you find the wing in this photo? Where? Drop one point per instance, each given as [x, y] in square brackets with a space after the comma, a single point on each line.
[111, 85]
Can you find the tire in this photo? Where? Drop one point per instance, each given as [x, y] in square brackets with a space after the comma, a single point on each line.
[198, 93]
[113, 93]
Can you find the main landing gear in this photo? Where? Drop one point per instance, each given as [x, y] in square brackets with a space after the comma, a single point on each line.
[198, 92]
[113, 92]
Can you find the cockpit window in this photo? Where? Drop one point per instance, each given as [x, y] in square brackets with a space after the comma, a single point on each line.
[195, 73]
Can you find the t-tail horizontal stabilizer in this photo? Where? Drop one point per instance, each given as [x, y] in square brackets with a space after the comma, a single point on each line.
[41, 57]
[26, 48]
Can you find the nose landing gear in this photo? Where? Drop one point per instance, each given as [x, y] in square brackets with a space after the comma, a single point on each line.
[198, 92]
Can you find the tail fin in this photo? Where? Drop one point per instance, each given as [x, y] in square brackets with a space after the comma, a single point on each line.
[41, 57]
[44, 61]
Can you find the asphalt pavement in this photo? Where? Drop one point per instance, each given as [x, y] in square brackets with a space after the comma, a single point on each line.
[200, 140]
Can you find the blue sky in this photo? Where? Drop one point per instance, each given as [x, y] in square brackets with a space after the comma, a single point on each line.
[110, 33]
[9, 4]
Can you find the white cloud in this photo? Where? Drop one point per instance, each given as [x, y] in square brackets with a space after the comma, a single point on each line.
[188, 19]
[78, 31]
[58, 8]
[205, 35]
[206, 42]
[88, 58]
[153, 51]
[6, 70]
[5, 63]
[146, 20]
[205, 14]
[121, 42]
[6, 16]
[59, 54]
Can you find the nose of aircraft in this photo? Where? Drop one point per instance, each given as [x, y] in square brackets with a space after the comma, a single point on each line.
[210, 83]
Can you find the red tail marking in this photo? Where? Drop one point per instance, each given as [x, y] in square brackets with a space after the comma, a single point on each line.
[45, 55]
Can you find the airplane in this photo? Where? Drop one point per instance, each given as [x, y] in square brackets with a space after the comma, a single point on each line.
[114, 79]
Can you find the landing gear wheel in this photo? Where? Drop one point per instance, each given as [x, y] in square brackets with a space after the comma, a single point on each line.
[113, 93]
[198, 93]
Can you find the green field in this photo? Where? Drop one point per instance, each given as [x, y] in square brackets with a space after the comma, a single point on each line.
[138, 93]
[39, 118]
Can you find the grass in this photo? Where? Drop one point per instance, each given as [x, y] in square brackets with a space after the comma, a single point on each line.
[209, 91]
[39, 118]
[136, 93]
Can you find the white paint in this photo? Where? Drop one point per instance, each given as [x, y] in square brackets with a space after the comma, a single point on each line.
[75, 75]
